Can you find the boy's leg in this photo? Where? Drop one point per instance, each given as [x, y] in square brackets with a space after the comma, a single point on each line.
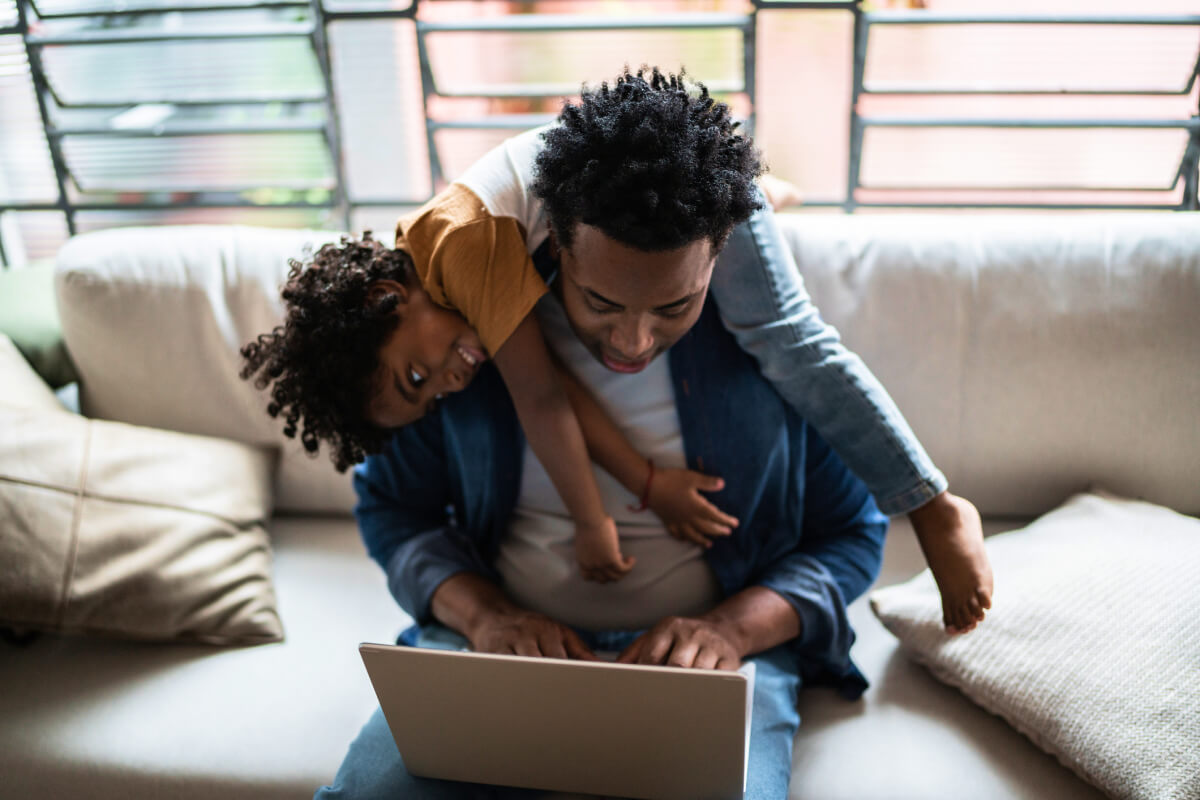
[773, 724]
[763, 302]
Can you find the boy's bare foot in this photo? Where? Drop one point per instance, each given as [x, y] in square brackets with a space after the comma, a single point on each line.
[780, 194]
[951, 537]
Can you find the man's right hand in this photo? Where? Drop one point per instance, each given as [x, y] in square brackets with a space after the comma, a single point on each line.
[478, 609]
[525, 633]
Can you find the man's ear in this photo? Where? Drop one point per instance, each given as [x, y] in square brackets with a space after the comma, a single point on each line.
[378, 290]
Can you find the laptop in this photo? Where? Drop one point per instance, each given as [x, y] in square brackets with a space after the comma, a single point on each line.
[657, 733]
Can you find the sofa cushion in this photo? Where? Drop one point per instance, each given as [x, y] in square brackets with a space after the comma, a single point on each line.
[1091, 646]
[112, 529]
[155, 319]
[1034, 355]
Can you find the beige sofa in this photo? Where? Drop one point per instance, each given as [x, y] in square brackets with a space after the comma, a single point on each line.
[1034, 356]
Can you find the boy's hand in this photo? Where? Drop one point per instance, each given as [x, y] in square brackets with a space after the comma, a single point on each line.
[689, 516]
[599, 553]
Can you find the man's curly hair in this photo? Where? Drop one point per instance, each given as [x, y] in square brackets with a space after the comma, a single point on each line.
[324, 357]
[653, 162]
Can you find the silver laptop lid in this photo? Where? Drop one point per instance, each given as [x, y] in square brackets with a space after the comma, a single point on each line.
[659, 733]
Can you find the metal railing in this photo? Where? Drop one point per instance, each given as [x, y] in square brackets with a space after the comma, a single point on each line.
[313, 28]
[859, 124]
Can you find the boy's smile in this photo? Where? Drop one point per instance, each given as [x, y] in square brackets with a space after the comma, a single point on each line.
[432, 351]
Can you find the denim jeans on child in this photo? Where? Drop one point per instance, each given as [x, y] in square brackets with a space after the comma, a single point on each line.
[763, 302]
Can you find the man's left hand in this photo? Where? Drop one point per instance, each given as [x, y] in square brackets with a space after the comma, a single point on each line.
[684, 642]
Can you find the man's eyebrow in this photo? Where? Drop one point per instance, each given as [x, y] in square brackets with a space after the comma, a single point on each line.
[680, 302]
[597, 296]
[665, 306]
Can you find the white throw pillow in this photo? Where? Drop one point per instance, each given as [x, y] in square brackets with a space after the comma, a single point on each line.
[1092, 647]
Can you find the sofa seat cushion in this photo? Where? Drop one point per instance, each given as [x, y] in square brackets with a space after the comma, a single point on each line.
[274, 721]
[187, 721]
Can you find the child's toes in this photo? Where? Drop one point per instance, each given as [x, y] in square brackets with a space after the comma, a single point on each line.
[984, 598]
[959, 619]
[950, 619]
[976, 609]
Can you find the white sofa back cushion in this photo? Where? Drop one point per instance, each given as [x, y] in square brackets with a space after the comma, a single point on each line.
[155, 319]
[1034, 355]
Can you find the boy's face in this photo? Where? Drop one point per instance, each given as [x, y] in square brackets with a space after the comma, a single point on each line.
[626, 305]
[431, 352]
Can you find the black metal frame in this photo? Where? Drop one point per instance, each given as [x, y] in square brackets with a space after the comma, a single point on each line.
[863, 22]
[315, 29]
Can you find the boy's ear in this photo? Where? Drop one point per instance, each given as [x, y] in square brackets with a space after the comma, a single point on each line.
[381, 289]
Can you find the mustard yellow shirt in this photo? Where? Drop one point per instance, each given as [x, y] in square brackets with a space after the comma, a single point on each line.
[473, 262]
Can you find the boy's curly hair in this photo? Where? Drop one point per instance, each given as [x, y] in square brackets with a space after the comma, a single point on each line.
[653, 162]
[323, 359]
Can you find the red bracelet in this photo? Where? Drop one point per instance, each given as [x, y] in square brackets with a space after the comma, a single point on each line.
[644, 503]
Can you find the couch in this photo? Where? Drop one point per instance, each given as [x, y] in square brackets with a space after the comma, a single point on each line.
[1034, 355]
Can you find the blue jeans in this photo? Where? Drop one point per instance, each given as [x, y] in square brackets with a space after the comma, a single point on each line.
[374, 770]
[763, 303]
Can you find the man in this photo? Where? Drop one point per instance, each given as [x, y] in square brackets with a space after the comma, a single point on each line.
[808, 542]
[497, 568]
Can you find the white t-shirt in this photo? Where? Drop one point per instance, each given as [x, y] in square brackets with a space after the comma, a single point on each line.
[537, 558]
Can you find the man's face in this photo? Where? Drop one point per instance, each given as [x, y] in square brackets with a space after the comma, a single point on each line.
[628, 306]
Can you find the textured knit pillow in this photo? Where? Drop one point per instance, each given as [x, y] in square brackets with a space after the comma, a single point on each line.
[1092, 648]
[117, 530]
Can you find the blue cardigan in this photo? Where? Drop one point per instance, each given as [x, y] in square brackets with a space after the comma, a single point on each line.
[438, 500]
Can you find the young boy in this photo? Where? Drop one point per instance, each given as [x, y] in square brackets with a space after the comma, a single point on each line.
[365, 349]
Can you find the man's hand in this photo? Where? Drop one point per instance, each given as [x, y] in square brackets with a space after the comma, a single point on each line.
[478, 609]
[525, 633]
[684, 642]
